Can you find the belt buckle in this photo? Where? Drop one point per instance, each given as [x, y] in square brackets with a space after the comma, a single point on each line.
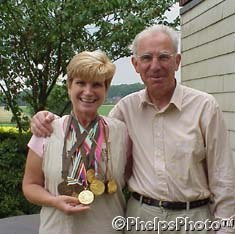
[148, 201]
[160, 204]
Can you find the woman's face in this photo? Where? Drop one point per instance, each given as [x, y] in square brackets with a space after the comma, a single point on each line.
[86, 97]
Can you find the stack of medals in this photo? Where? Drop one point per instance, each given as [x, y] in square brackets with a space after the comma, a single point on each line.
[86, 178]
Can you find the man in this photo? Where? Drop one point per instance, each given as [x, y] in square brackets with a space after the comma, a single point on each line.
[181, 155]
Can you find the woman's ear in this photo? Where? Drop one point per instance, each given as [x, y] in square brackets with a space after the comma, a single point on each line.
[69, 93]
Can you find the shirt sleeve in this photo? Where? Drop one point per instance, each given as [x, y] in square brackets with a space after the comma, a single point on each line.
[37, 144]
[116, 112]
[220, 166]
[129, 158]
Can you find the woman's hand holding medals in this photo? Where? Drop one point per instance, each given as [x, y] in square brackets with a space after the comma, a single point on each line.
[68, 204]
[95, 187]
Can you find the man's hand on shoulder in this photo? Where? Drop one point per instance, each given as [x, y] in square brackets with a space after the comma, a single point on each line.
[41, 123]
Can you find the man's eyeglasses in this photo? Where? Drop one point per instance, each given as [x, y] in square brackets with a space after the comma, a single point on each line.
[162, 57]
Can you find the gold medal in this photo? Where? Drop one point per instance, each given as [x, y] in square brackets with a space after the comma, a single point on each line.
[86, 197]
[90, 175]
[97, 187]
[111, 186]
[65, 189]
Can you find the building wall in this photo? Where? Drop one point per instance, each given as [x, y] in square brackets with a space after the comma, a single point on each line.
[208, 53]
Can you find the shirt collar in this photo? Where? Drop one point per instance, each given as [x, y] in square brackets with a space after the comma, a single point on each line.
[144, 98]
[176, 98]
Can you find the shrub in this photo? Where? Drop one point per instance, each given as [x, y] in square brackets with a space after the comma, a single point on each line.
[13, 151]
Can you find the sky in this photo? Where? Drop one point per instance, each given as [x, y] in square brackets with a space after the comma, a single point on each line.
[125, 72]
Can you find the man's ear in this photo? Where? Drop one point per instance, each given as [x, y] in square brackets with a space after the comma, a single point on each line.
[177, 61]
[135, 63]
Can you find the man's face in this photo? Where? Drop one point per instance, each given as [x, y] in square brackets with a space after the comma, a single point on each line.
[156, 62]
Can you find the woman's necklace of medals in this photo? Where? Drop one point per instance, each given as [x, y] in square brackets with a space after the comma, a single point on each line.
[86, 179]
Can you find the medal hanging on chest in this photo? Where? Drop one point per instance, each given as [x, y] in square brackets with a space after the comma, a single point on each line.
[110, 183]
[73, 162]
[81, 172]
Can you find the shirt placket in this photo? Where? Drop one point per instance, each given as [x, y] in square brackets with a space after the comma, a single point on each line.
[160, 160]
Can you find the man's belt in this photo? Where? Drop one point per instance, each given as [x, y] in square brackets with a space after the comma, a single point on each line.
[169, 204]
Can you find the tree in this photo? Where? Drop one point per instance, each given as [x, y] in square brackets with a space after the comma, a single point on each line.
[39, 37]
[124, 89]
[58, 101]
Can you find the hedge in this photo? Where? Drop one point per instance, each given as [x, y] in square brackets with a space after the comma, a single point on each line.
[13, 151]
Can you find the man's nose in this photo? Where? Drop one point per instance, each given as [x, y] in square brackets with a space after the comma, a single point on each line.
[155, 63]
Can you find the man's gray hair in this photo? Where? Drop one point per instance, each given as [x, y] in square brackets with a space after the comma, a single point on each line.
[173, 35]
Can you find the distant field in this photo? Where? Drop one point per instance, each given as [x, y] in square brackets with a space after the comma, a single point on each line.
[5, 116]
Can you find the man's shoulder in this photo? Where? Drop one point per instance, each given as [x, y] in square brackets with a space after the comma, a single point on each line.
[135, 97]
[196, 93]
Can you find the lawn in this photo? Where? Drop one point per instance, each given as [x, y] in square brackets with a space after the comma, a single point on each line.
[105, 109]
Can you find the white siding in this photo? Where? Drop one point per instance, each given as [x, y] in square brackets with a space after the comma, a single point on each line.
[208, 54]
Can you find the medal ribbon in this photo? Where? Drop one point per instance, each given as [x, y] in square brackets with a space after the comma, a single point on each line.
[68, 155]
[83, 153]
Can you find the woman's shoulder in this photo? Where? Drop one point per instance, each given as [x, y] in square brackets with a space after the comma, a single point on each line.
[59, 125]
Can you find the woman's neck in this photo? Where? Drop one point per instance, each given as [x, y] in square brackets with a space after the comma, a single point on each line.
[85, 120]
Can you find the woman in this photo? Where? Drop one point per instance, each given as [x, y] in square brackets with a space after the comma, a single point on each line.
[77, 173]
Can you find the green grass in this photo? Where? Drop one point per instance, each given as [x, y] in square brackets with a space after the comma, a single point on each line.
[105, 109]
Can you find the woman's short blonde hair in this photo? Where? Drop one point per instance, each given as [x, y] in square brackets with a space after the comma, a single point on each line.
[91, 66]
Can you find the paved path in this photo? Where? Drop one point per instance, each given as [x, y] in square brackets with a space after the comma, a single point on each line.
[25, 224]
